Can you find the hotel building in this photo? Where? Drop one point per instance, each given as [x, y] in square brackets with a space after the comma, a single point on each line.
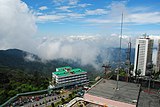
[67, 76]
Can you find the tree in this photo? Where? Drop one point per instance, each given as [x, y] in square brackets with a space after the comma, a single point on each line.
[138, 74]
[70, 96]
[63, 100]
[80, 105]
[52, 104]
[150, 69]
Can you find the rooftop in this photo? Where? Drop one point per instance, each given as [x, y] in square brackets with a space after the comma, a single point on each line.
[127, 93]
[66, 71]
[151, 99]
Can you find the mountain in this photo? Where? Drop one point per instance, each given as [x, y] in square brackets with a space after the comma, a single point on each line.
[19, 59]
[114, 52]
[29, 62]
[111, 56]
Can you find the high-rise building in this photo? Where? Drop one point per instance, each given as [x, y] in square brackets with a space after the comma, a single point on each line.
[158, 57]
[143, 54]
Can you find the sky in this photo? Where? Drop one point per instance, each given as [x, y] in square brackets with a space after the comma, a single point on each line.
[103, 17]
[75, 29]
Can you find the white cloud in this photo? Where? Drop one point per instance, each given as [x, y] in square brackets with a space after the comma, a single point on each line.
[30, 57]
[69, 2]
[83, 37]
[49, 18]
[137, 15]
[144, 18]
[38, 13]
[17, 25]
[68, 49]
[139, 9]
[65, 8]
[58, 2]
[156, 37]
[118, 7]
[73, 2]
[112, 15]
[130, 15]
[43, 8]
[98, 21]
[96, 12]
[84, 5]
[75, 15]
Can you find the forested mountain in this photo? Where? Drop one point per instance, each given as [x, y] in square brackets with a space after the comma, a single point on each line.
[30, 63]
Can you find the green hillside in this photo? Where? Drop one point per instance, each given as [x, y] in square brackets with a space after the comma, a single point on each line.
[14, 81]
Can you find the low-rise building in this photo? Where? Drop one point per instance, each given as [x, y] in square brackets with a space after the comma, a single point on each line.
[104, 92]
[67, 76]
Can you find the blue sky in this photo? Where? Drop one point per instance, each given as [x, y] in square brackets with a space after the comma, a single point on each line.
[90, 17]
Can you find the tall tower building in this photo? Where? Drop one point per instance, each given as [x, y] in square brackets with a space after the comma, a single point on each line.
[158, 57]
[143, 54]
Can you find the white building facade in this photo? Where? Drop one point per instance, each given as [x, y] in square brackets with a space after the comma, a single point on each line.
[143, 54]
[67, 76]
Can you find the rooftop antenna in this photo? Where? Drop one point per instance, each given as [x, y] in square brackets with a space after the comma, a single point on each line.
[128, 58]
[120, 43]
[144, 35]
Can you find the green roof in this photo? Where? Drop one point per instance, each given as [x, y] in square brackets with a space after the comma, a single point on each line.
[62, 72]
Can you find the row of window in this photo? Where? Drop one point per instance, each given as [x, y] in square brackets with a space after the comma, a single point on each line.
[80, 79]
[60, 80]
[74, 82]
[75, 76]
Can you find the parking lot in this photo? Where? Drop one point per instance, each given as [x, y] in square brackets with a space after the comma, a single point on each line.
[40, 100]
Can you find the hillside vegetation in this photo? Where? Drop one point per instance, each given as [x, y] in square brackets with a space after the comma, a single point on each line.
[14, 81]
